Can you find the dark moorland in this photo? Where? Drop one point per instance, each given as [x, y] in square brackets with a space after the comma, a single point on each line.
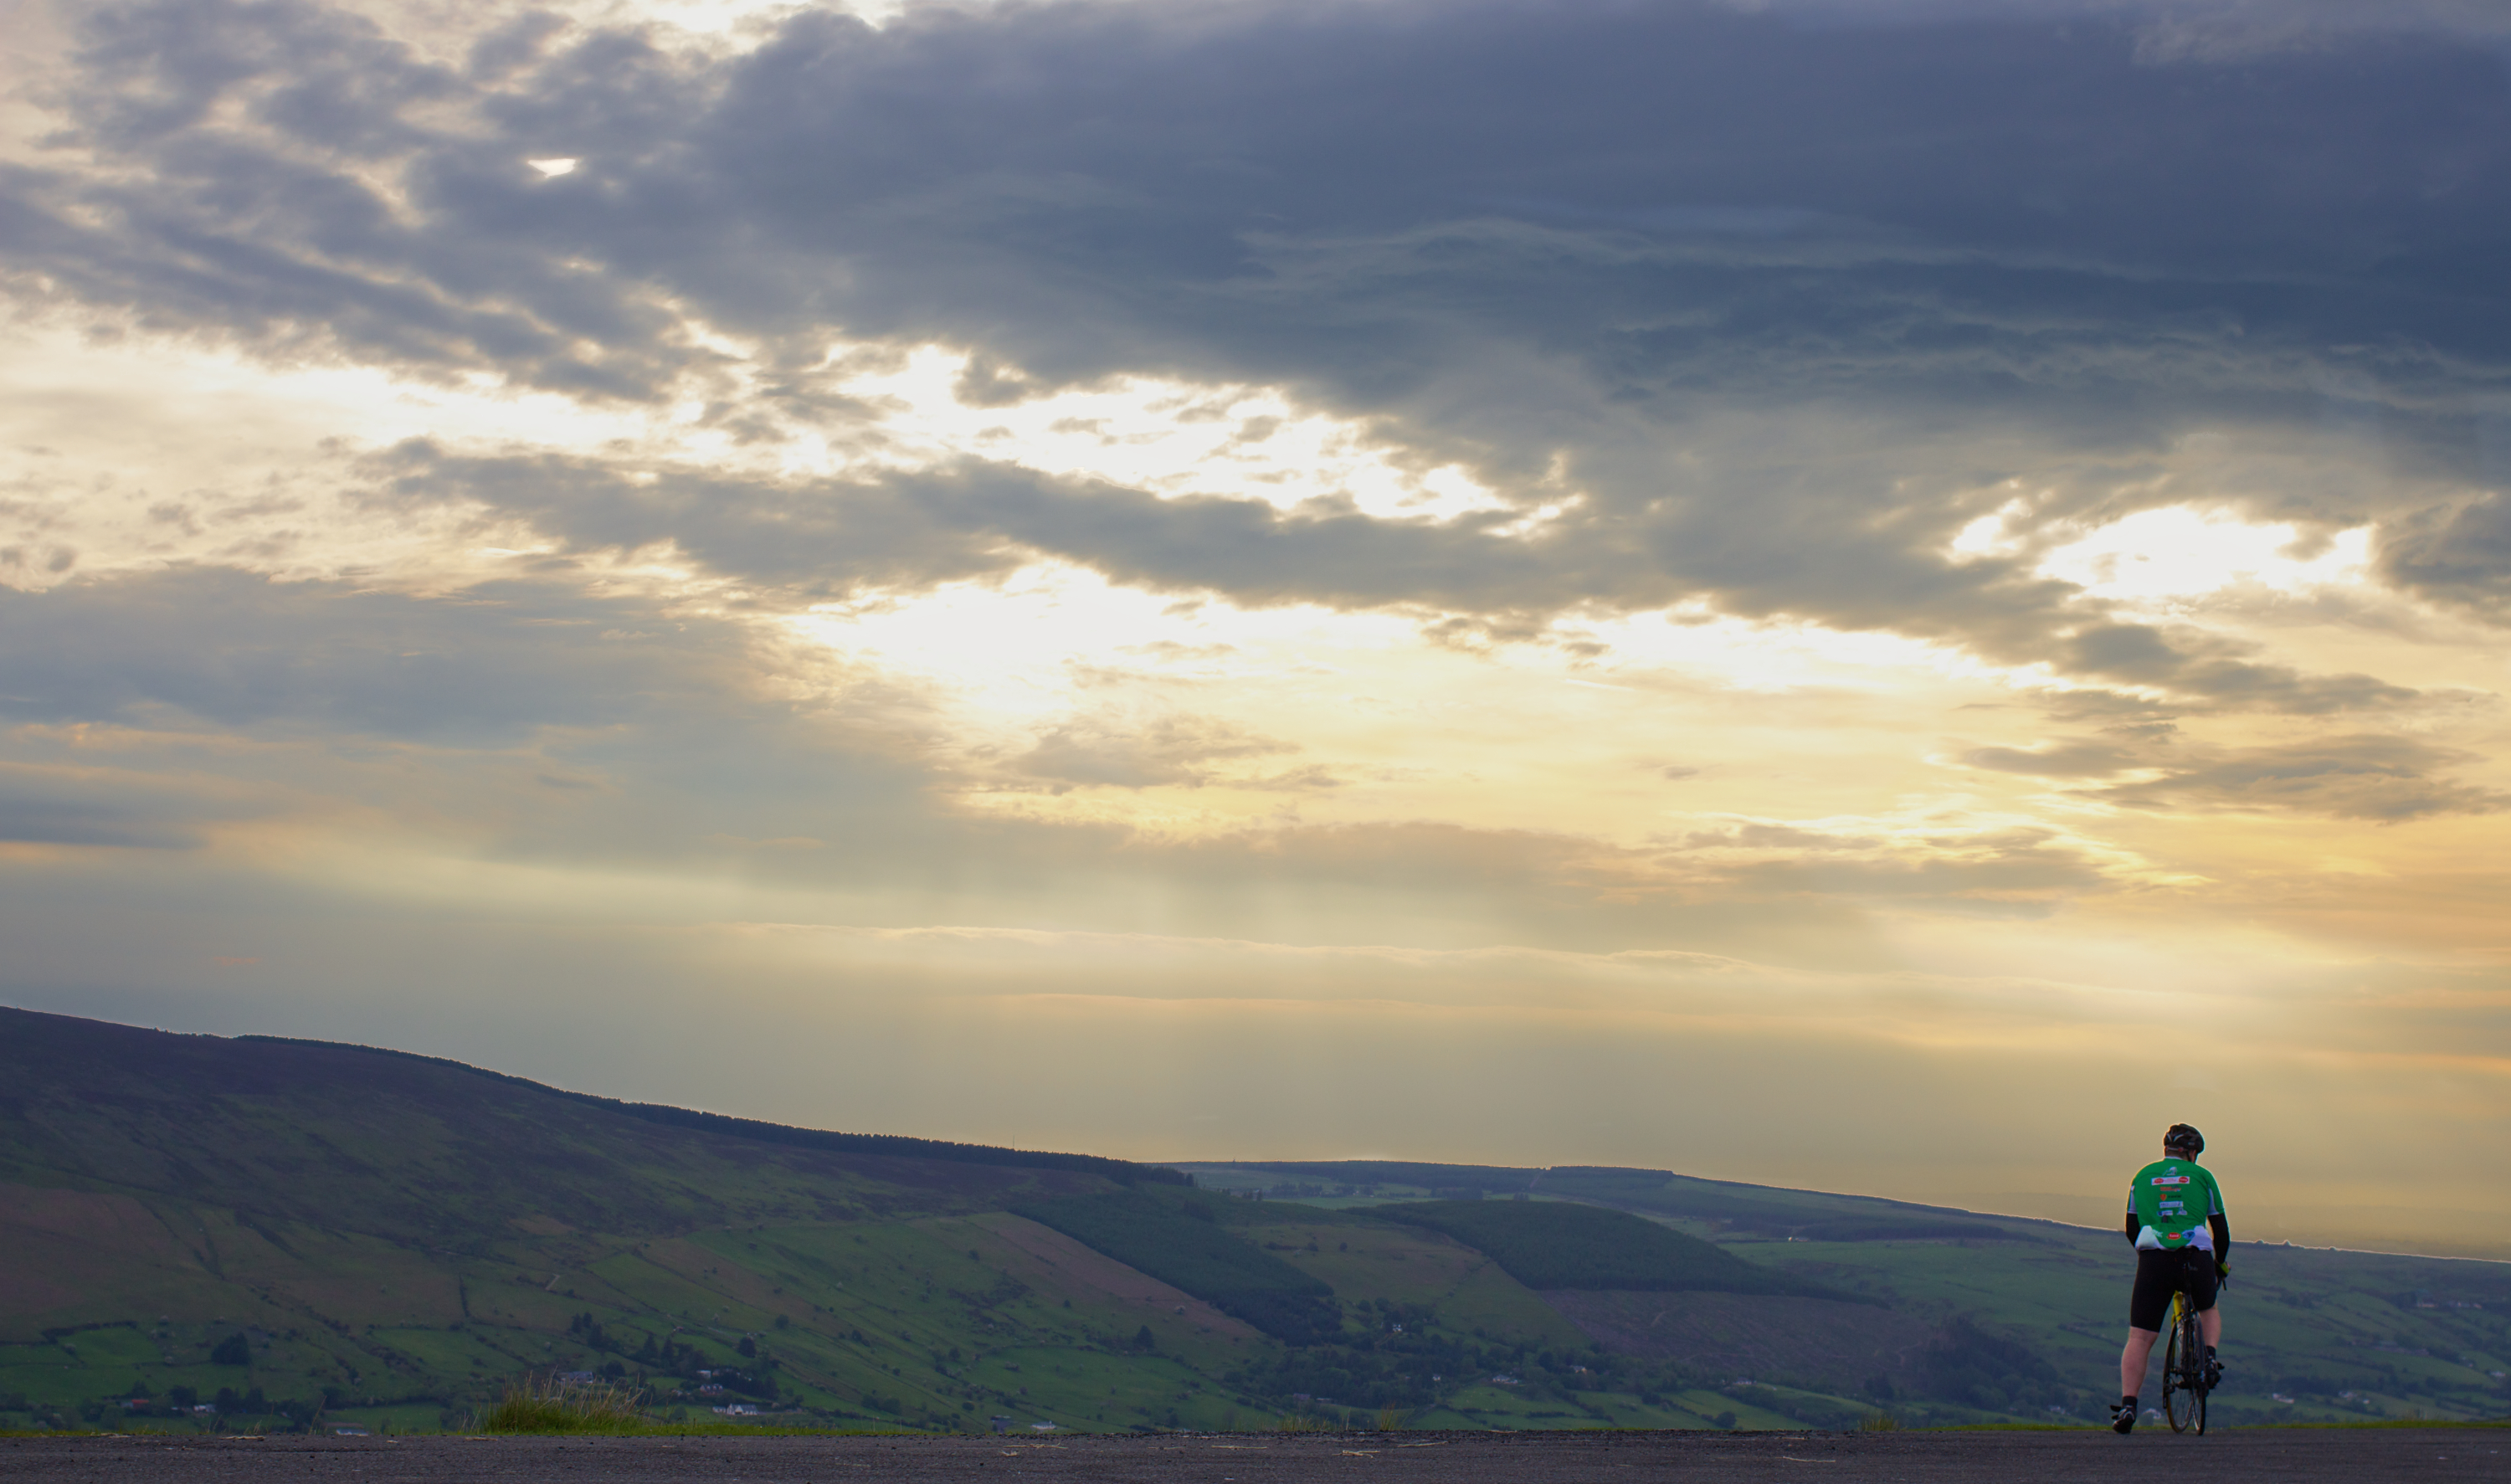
[205, 1235]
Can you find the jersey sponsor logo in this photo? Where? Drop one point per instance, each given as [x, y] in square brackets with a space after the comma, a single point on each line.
[2170, 1180]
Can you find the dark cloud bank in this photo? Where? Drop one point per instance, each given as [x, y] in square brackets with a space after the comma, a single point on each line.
[1947, 245]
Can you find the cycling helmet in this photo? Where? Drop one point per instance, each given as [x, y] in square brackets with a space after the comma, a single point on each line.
[2183, 1136]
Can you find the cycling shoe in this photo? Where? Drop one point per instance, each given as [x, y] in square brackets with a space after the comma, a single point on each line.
[2123, 1416]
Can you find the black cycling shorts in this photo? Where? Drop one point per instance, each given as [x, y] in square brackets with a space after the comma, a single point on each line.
[2158, 1274]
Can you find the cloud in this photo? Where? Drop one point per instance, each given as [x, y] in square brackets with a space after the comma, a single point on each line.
[113, 807]
[2460, 556]
[523, 719]
[545, 722]
[487, 666]
[2381, 778]
[1998, 871]
[812, 537]
[977, 517]
[529, 720]
[1149, 164]
[1686, 262]
[1167, 750]
[2065, 759]
[2372, 776]
[2208, 669]
[2022, 881]
[974, 518]
[2233, 30]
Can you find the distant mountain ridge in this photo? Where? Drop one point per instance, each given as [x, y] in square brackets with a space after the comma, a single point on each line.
[1769, 1210]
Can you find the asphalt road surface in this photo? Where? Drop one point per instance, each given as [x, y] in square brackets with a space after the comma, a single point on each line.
[2358, 1457]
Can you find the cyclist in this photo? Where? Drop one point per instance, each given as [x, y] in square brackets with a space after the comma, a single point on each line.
[2175, 1217]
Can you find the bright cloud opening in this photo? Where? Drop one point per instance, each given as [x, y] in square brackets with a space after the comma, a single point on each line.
[1170, 437]
[2181, 553]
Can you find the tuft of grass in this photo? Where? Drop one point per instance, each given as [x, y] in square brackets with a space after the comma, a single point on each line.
[552, 1405]
[1390, 1418]
[1879, 1422]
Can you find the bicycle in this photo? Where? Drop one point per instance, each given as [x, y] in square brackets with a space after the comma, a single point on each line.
[2184, 1382]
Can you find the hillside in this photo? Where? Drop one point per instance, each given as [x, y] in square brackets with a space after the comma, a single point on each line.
[389, 1228]
[1981, 1312]
[426, 1150]
[281, 1231]
[277, 1231]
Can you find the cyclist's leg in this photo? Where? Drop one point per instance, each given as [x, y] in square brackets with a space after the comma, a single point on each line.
[2132, 1358]
[2203, 1290]
[2148, 1309]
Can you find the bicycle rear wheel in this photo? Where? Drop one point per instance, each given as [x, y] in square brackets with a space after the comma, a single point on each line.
[2183, 1369]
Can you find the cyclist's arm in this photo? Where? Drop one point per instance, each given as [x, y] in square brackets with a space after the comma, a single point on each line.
[2132, 1226]
[2223, 1230]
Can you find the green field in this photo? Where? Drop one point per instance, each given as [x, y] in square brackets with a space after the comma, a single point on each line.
[201, 1234]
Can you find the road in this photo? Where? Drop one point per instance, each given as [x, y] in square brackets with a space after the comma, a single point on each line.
[2389, 1455]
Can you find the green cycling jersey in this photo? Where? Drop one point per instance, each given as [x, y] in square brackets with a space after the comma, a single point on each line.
[2171, 1199]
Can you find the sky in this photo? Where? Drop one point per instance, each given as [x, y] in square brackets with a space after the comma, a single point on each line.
[1884, 595]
